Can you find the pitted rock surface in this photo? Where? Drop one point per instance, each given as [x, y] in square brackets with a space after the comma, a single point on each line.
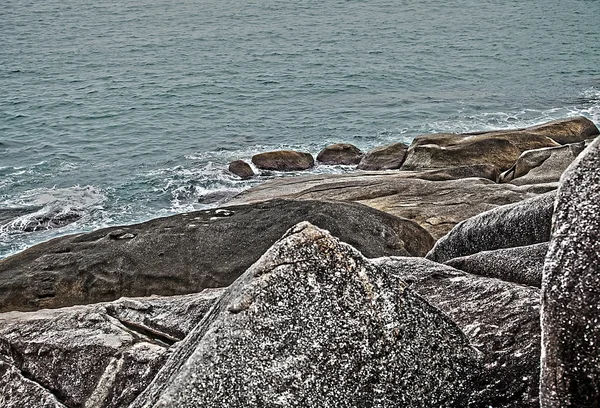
[313, 324]
[571, 290]
[520, 224]
[501, 319]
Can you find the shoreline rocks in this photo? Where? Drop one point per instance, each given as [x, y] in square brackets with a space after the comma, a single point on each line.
[340, 154]
[388, 157]
[283, 160]
[242, 169]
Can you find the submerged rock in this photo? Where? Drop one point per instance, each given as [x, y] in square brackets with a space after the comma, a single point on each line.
[186, 253]
[340, 153]
[384, 158]
[242, 169]
[313, 323]
[571, 290]
[283, 160]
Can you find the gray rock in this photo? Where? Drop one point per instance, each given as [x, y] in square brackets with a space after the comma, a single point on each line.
[519, 224]
[30, 219]
[186, 253]
[283, 160]
[16, 391]
[340, 153]
[542, 165]
[384, 157]
[522, 264]
[242, 169]
[313, 323]
[571, 290]
[501, 320]
[569, 130]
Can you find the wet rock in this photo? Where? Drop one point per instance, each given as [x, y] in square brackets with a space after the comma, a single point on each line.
[283, 160]
[30, 219]
[542, 165]
[521, 265]
[570, 290]
[313, 323]
[242, 169]
[501, 319]
[384, 158]
[519, 224]
[340, 153]
[186, 253]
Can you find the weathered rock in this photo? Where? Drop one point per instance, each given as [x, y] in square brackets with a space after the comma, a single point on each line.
[542, 165]
[569, 130]
[501, 320]
[30, 219]
[519, 224]
[522, 264]
[186, 253]
[384, 158]
[486, 171]
[340, 153]
[313, 323]
[16, 391]
[283, 160]
[436, 206]
[242, 169]
[571, 290]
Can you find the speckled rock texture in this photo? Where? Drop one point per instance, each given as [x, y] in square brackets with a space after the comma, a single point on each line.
[283, 160]
[384, 157]
[520, 224]
[95, 356]
[188, 252]
[568, 130]
[315, 324]
[501, 319]
[340, 153]
[571, 290]
[522, 265]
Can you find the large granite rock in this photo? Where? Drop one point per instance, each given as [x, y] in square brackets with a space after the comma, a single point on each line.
[565, 131]
[571, 290]
[522, 264]
[542, 165]
[17, 391]
[501, 319]
[340, 153]
[241, 169]
[435, 205]
[519, 224]
[313, 323]
[283, 160]
[384, 157]
[186, 253]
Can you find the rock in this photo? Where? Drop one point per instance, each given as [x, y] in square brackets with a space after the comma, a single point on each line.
[314, 324]
[283, 160]
[486, 171]
[186, 253]
[519, 224]
[521, 265]
[384, 158]
[100, 355]
[571, 290]
[242, 169]
[542, 165]
[565, 131]
[30, 219]
[340, 153]
[501, 319]
[436, 206]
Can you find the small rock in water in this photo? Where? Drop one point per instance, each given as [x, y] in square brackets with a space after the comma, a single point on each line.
[283, 160]
[340, 153]
[242, 169]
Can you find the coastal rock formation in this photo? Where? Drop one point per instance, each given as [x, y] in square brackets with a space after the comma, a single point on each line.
[542, 165]
[524, 223]
[37, 218]
[313, 323]
[501, 320]
[187, 252]
[340, 153]
[283, 160]
[384, 158]
[521, 265]
[565, 131]
[570, 290]
[242, 169]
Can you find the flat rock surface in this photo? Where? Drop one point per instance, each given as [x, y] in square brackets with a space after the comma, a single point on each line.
[501, 319]
[186, 253]
[314, 324]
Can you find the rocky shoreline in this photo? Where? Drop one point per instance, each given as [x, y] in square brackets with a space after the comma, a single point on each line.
[433, 276]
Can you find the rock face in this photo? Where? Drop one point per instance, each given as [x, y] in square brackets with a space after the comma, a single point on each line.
[565, 131]
[501, 320]
[519, 224]
[187, 252]
[522, 264]
[542, 165]
[101, 355]
[314, 324]
[384, 158]
[283, 160]
[570, 290]
[242, 169]
[340, 153]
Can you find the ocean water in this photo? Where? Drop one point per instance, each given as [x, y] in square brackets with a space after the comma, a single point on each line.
[115, 112]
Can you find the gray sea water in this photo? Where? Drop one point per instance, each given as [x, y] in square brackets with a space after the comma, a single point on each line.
[119, 111]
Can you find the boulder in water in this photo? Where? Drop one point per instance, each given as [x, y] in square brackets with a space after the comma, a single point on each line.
[384, 158]
[340, 153]
[283, 160]
[241, 168]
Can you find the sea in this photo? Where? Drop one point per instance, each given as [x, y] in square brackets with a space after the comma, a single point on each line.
[115, 112]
